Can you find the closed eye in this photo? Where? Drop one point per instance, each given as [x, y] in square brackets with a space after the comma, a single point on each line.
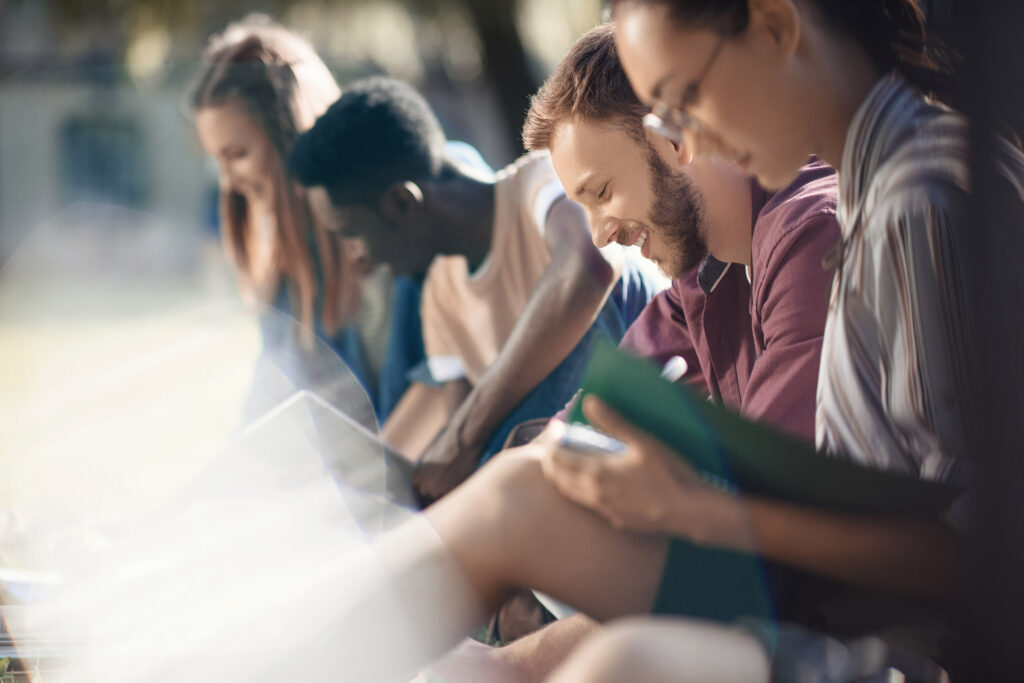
[349, 231]
[603, 194]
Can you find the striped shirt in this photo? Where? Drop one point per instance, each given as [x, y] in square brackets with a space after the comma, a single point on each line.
[893, 385]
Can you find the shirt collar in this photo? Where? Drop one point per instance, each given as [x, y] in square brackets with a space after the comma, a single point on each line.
[710, 273]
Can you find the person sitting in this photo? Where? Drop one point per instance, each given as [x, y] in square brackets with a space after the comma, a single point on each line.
[599, 533]
[259, 88]
[514, 289]
[755, 345]
[744, 308]
[767, 82]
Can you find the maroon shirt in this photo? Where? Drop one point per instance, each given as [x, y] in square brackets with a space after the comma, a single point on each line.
[756, 346]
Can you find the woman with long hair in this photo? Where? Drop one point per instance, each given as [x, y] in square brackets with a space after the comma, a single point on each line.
[261, 86]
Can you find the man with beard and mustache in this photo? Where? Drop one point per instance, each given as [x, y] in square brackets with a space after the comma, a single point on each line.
[747, 304]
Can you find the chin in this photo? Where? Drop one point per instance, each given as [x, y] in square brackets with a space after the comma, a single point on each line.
[669, 269]
[776, 178]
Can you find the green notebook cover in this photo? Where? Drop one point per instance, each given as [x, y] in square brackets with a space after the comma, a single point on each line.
[754, 457]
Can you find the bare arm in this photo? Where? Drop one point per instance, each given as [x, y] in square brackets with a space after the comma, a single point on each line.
[652, 489]
[563, 306]
[455, 393]
[538, 654]
[914, 557]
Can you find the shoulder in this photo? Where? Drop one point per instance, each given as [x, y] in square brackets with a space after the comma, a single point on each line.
[467, 155]
[534, 184]
[528, 173]
[810, 199]
[527, 165]
[803, 213]
[442, 281]
[925, 172]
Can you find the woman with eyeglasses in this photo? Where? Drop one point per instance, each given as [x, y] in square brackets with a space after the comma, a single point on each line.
[767, 83]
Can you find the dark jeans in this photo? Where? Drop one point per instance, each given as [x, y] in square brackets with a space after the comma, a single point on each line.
[558, 388]
[629, 297]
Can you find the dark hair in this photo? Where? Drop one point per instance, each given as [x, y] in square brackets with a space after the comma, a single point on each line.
[588, 83]
[891, 32]
[283, 85]
[381, 131]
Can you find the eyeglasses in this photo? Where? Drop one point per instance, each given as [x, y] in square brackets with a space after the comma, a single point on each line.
[671, 122]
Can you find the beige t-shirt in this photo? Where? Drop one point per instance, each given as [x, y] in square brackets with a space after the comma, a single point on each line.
[467, 318]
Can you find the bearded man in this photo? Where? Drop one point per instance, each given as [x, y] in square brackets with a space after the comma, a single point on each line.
[747, 304]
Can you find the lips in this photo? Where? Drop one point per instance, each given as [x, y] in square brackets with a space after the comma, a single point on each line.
[641, 242]
[249, 189]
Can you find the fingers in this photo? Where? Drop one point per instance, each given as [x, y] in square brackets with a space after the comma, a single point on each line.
[643, 446]
[428, 483]
[608, 421]
[583, 478]
[576, 484]
[553, 431]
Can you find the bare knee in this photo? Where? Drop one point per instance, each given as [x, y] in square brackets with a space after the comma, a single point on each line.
[490, 521]
[658, 650]
[505, 487]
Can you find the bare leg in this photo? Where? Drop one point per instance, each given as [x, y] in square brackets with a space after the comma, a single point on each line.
[427, 583]
[540, 653]
[531, 658]
[673, 651]
[508, 527]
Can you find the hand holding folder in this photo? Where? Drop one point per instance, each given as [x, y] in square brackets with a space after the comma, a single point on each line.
[755, 458]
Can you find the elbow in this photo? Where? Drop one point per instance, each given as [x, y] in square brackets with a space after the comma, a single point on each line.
[597, 268]
[589, 279]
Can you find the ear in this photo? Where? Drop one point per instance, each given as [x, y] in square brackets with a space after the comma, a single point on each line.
[401, 201]
[779, 20]
[675, 154]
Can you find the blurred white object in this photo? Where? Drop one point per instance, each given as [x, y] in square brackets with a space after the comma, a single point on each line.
[674, 369]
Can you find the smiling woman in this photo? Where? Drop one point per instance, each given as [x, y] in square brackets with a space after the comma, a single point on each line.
[260, 87]
[853, 82]
[717, 72]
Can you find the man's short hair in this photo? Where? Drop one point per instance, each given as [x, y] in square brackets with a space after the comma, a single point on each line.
[589, 84]
[379, 132]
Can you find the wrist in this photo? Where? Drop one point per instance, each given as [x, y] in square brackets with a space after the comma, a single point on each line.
[465, 438]
[471, 428]
[714, 518]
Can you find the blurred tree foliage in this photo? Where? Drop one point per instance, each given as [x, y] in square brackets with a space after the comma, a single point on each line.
[506, 64]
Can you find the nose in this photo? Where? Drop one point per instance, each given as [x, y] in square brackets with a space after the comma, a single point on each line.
[602, 230]
[228, 177]
[707, 145]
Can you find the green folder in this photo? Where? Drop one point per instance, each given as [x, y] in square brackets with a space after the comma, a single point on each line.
[755, 458]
